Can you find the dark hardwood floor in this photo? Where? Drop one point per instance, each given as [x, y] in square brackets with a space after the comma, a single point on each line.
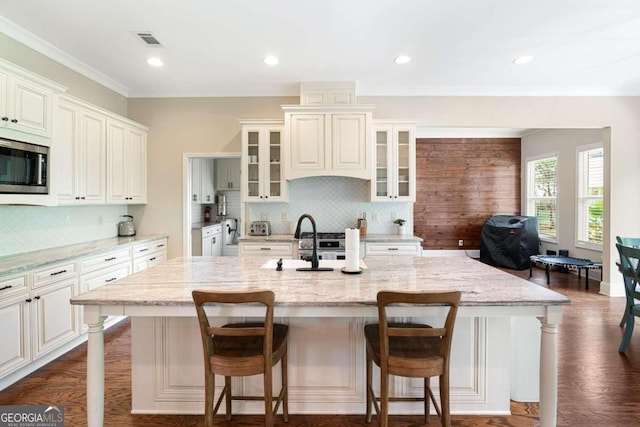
[597, 386]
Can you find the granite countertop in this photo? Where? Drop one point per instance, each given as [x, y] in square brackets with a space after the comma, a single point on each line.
[171, 283]
[29, 260]
[391, 238]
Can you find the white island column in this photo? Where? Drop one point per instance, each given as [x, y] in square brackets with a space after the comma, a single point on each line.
[95, 366]
[549, 366]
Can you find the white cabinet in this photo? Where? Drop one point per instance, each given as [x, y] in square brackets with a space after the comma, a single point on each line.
[227, 174]
[15, 351]
[375, 249]
[318, 93]
[148, 254]
[207, 241]
[263, 178]
[126, 163]
[202, 177]
[79, 156]
[26, 102]
[394, 178]
[265, 249]
[54, 319]
[328, 140]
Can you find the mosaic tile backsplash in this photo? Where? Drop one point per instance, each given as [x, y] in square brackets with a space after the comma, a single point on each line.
[335, 203]
[31, 228]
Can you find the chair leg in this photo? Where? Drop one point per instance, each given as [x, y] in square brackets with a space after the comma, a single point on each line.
[368, 388]
[628, 331]
[268, 397]
[285, 398]
[427, 401]
[384, 398]
[623, 321]
[209, 389]
[445, 415]
[227, 398]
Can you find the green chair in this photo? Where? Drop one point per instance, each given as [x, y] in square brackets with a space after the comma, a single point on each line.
[633, 242]
[630, 268]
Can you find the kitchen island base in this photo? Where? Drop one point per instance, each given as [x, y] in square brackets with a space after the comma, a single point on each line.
[326, 368]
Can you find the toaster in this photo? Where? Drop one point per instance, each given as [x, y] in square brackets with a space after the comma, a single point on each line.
[259, 228]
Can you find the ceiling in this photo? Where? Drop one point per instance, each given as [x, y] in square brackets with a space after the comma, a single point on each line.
[457, 47]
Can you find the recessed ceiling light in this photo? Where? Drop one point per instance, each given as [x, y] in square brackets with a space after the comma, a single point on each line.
[271, 60]
[402, 59]
[523, 60]
[155, 62]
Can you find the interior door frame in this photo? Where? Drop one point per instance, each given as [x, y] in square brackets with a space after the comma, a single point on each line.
[186, 193]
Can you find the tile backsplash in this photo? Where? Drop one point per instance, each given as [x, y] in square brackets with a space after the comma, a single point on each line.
[335, 203]
[30, 228]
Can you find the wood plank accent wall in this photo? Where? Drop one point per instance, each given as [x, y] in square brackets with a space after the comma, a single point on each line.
[460, 183]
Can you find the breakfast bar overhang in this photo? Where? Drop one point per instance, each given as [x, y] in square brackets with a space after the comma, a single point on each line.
[325, 308]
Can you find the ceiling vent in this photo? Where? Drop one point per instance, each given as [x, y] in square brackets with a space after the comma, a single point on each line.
[148, 38]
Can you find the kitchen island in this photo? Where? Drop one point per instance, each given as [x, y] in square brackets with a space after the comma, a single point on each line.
[326, 312]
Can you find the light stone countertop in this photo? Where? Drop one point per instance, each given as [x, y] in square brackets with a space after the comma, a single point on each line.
[18, 263]
[170, 283]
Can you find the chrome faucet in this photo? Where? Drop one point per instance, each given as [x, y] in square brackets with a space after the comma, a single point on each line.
[315, 261]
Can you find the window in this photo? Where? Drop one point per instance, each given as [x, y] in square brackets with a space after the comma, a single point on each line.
[590, 219]
[542, 194]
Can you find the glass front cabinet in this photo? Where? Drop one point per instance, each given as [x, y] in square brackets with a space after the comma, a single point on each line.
[395, 162]
[262, 156]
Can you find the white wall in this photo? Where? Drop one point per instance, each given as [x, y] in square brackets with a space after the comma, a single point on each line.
[564, 143]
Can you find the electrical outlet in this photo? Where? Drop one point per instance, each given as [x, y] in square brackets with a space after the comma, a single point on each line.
[100, 220]
[285, 216]
[394, 216]
[461, 243]
[374, 216]
[264, 216]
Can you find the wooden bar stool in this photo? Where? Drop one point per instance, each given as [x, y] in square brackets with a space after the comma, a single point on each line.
[410, 350]
[241, 349]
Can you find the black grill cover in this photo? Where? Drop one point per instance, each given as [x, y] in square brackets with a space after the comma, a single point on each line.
[508, 241]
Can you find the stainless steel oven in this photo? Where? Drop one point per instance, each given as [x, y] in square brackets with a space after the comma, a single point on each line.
[330, 246]
[23, 168]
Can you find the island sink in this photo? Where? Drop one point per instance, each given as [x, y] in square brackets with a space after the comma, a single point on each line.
[295, 264]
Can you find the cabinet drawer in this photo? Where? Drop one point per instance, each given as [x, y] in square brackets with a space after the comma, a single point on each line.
[211, 230]
[52, 273]
[14, 284]
[144, 249]
[106, 276]
[267, 249]
[392, 249]
[97, 262]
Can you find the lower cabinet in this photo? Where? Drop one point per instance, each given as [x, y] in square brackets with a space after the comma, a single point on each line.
[266, 249]
[393, 249]
[15, 351]
[54, 319]
[38, 322]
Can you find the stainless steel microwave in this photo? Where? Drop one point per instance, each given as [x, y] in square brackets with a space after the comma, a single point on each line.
[23, 168]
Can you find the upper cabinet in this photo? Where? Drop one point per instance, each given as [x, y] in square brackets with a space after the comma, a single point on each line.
[26, 104]
[79, 154]
[262, 173]
[395, 159]
[202, 176]
[328, 140]
[126, 162]
[228, 174]
[321, 93]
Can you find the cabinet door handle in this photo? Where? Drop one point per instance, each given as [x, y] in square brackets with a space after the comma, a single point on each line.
[195, 198]
[5, 119]
[152, 259]
[28, 300]
[392, 249]
[37, 297]
[58, 272]
[160, 245]
[6, 287]
[144, 249]
[109, 259]
[111, 280]
[14, 120]
[265, 249]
